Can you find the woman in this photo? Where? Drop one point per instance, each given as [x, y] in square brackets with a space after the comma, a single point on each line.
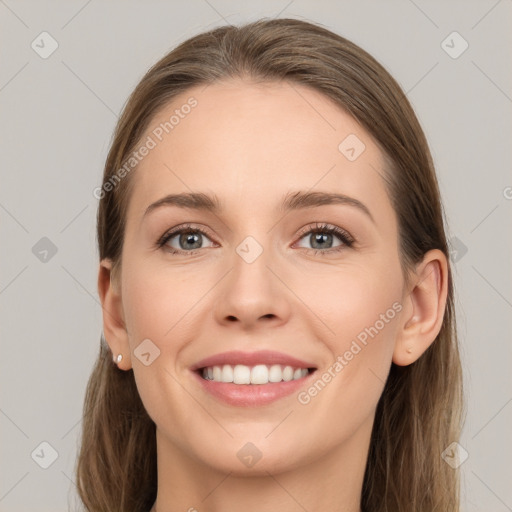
[301, 354]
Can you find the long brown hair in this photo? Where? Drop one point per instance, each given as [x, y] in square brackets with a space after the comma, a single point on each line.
[420, 411]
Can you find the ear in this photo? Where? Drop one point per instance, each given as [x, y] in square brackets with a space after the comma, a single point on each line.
[424, 306]
[114, 327]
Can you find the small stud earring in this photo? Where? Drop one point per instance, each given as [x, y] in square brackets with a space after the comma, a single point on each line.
[118, 359]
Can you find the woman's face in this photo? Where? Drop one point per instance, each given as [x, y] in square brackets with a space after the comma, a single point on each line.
[258, 279]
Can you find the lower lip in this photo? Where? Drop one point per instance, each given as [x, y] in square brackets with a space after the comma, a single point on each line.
[251, 395]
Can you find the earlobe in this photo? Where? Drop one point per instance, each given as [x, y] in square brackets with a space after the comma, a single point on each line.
[424, 307]
[114, 327]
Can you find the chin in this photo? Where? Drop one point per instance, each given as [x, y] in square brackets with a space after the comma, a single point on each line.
[243, 457]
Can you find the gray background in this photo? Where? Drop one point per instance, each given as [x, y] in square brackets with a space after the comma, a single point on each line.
[57, 118]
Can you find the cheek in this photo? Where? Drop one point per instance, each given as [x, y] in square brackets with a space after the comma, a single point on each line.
[359, 307]
[369, 341]
[364, 322]
[152, 304]
[155, 307]
[351, 298]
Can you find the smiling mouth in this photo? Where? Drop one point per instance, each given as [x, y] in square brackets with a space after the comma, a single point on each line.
[253, 375]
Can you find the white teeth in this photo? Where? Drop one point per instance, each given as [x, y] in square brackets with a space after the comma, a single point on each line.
[287, 373]
[227, 373]
[241, 374]
[259, 374]
[275, 373]
[217, 373]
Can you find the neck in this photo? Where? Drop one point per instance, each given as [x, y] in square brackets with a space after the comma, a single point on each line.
[331, 481]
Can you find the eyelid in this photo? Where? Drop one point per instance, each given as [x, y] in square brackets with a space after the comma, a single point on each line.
[177, 230]
[325, 226]
[346, 239]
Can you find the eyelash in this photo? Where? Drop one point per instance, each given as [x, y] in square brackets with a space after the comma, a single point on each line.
[343, 235]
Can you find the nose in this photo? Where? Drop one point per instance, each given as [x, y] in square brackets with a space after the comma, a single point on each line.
[252, 292]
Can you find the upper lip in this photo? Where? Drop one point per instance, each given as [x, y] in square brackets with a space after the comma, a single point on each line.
[235, 357]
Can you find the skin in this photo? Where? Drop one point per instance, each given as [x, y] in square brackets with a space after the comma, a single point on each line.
[250, 144]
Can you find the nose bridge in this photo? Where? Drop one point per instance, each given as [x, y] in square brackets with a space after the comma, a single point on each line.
[250, 249]
[251, 290]
[252, 235]
[251, 258]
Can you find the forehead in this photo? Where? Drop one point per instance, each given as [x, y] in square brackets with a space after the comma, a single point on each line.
[254, 142]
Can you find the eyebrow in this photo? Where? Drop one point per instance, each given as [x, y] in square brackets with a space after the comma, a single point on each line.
[291, 201]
